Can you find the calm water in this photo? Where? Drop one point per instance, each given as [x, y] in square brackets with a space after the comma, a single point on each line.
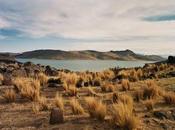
[82, 65]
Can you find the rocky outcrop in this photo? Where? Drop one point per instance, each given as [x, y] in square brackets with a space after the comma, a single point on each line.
[56, 116]
[171, 59]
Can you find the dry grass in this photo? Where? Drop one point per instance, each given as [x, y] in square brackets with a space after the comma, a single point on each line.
[123, 117]
[69, 78]
[28, 88]
[59, 103]
[149, 104]
[127, 100]
[91, 92]
[72, 91]
[169, 98]
[133, 75]
[35, 108]
[42, 78]
[43, 102]
[125, 85]
[96, 108]
[151, 91]
[139, 73]
[1, 78]
[77, 109]
[108, 87]
[138, 94]
[9, 95]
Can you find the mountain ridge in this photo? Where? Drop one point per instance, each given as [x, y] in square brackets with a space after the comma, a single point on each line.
[86, 55]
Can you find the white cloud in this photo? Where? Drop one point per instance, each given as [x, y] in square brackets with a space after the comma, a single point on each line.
[117, 20]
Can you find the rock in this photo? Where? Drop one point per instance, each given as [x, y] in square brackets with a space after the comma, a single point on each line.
[56, 116]
[164, 126]
[79, 83]
[160, 115]
[171, 59]
[51, 71]
[86, 84]
[96, 83]
[171, 74]
[54, 81]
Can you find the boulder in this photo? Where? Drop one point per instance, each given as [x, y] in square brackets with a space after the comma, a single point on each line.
[160, 115]
[55, 81]
[51, 71]
[79, 83]
[56, 116]
[171, 59]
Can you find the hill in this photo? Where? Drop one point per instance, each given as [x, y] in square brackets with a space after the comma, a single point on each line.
[87, 55]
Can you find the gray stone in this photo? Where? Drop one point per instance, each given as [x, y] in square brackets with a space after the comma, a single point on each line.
[56, 116]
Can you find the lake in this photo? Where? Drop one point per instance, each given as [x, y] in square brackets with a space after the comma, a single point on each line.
[82, 65]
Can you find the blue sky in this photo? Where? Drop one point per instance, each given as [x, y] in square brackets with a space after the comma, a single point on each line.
[144, 27]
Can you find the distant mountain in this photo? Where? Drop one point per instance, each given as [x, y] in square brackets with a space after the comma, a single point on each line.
[87, 55]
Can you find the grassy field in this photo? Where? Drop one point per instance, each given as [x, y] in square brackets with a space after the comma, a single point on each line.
[126, 99]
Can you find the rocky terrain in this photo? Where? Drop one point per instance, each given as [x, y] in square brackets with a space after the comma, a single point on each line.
[36, 97]
[88, 55]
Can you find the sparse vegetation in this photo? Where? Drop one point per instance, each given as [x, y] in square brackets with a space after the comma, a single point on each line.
[169, 98]
[42, 78]
[77, 109]
[149, 104]
[96, 108]
[9, 95]
[126, 85]
[59, 102]
[108, 87]
[123, 117]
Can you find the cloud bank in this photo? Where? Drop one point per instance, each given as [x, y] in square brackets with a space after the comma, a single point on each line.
[108, 22]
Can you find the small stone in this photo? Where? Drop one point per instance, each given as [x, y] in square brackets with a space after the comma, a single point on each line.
[56, 116]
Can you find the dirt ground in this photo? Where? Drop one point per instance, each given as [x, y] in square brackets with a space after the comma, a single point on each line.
[19, 115]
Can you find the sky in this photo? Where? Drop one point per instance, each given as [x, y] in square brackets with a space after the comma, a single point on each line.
[146, 27]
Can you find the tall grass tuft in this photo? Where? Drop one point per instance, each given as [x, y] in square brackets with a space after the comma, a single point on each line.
[77, 109]
[96, 108]
[9, 95]
[59, 102]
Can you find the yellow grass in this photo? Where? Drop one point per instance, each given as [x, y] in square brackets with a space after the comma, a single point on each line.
[96, 108]
[77, 109]
[123, 117]
[59, 102]
[9, 95]
[169, 98]
[125, 85]
[127, 100]
[72, 91]
[149, 104]
[138, 94]
[1, 77]
[108, 87]
[43, 102]
[35, 108]
[42, 78]
[139, 73]
[151, 91]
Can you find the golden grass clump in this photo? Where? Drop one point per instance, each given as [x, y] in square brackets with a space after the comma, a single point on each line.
[134, 75]
[72, 91]
[43, 102]
[69, 78]
[108, 87]
[139, 73]
[169, 98]
[1, 78]
[151, 91]
[138, 94]
[123, 117]
[149, 104]
[77, 109]
[126, 99]
[30, 93]
[9, 95]
[59, 102]
[42, 78]
[96, 108]
[35, 108]
[28, 88]
[125, 85]
[91, 92]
